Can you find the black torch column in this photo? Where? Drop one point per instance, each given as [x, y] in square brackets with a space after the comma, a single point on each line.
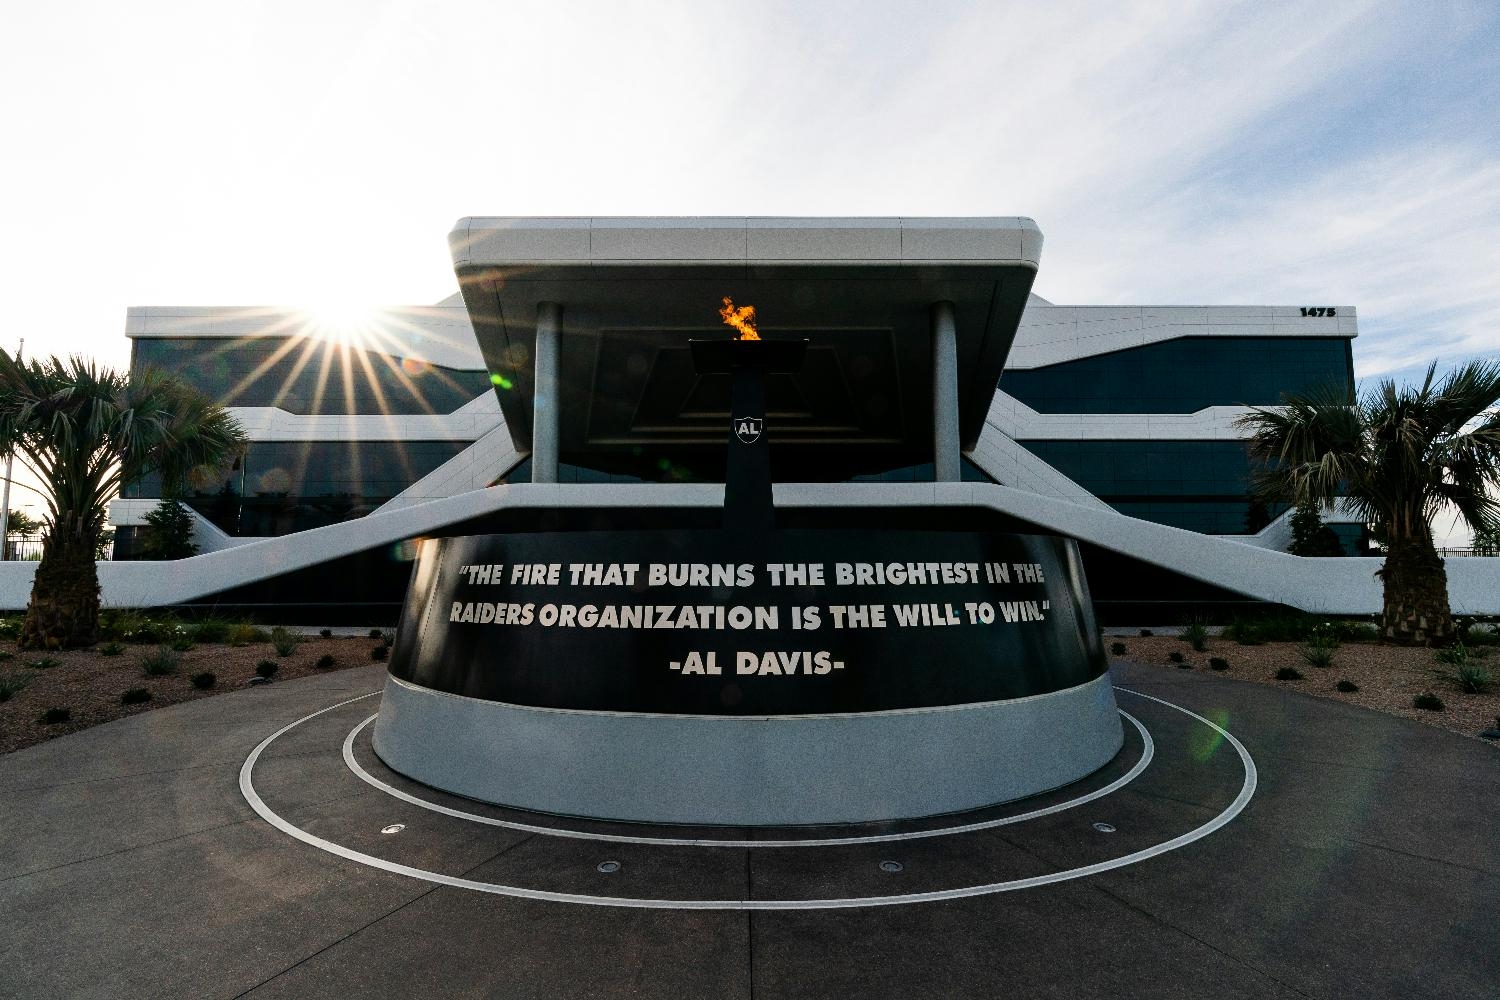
[747, 475]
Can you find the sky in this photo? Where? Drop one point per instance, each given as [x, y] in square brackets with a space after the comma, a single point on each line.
[317, 153]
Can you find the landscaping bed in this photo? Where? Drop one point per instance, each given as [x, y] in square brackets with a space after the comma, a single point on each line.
[111, 679]
[1388, 678]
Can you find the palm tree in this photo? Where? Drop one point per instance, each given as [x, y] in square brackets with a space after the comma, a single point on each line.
[85, 432]
[1399, 454]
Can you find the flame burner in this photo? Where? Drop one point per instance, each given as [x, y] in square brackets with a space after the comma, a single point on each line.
[747, 477]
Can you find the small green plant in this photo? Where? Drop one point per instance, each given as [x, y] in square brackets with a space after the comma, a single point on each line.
[204, 681]
[161, 663]
[1176, 657]
[283, 641]
[1146, 633]
[325, 661]
[1288, 674]
[12, 686]
[1218, 663]
[111, 649]
[1428, 702]
[374, 633]
[388, 637]
[379, 653]
[45, 663]
[181, 644]
[1117, 648]
[1473, 679]
[1455, 655]
[267, 669]
[1316, 654]
[6, 654]
[326, 633]
[53, 716]
[1348, 687]
[1196, 636]
[135, 696]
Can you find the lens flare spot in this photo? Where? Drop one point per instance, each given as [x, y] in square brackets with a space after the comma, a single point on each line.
[275, 480]
[406, 550]
[1205, 742]
[416, 367]
[500, 381]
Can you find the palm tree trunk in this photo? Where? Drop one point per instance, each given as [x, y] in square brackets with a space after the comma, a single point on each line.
[1416, 594]
[64, 608]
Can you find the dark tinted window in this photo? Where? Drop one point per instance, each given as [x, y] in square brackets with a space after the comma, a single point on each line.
[284, 486]
[1199, 485]
[1181, 376]
[304, 375]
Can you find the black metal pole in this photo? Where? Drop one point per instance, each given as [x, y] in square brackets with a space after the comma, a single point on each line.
[747, 476]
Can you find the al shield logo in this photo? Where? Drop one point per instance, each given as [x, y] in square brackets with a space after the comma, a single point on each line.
[747, 429]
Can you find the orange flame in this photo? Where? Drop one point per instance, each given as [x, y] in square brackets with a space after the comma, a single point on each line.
[742, 318]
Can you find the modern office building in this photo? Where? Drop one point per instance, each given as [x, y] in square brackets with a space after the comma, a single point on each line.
[1111, 424]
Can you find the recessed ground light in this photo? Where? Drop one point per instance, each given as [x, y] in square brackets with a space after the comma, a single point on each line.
[609, 867]
[1104, 827]
[891, 866]
[393, 828]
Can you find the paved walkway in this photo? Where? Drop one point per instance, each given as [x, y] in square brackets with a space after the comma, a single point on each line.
[1366, 863]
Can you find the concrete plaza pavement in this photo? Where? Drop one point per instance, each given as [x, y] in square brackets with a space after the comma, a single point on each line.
[1366, 863]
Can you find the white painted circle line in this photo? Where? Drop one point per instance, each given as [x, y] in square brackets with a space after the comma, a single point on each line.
[1247, 790]
[1147, 752]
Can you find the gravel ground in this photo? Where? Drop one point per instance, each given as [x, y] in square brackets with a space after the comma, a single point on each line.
[89, 684]
[1389, 677]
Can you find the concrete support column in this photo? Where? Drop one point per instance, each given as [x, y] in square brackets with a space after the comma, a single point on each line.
[947, 467]
[545, 393]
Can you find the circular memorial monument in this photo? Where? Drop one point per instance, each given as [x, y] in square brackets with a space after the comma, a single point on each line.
[748, 675]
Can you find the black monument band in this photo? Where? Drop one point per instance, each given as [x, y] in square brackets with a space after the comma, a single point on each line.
[773, 624]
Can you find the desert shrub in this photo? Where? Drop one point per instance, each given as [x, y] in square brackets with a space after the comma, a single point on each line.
[181, 644]
[111, 649]
[1348, 687]
[244, 633]
[1117, 648]
[283, 641]
[325, 661]
[1243, 631]
[1473, 679]
[1428, 702]
[210, 630]
[388, 637]
[205, 680]
[6, 654]
[141, 628]
[379, 653]
[45, 663]
[135, 696]
[1196, 636]
[374, 633]
[1175, 657]
[326, 633]
[12, 686]
[1351, 631]
[53, 716]
[1481, 635]
[10, 626]
[1146, 633]
[1288, 674]
[1316, 654]
[267, 669]
[1218, 663]
[161, 663]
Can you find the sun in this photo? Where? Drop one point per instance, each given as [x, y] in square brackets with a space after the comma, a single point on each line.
[343, 322]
